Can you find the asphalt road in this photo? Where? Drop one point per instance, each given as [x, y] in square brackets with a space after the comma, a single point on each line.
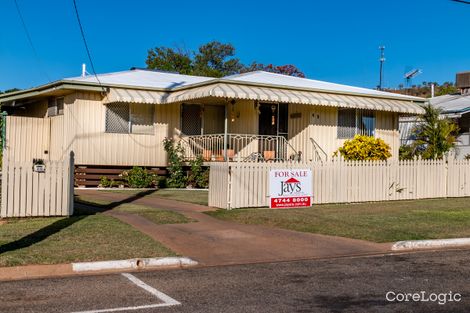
[335, 285]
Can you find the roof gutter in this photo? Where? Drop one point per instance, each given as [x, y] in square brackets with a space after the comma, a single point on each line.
[14, 96]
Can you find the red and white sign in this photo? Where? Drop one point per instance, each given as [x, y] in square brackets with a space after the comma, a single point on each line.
[290, 188]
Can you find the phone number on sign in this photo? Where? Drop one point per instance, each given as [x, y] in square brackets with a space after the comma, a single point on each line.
[291, 200]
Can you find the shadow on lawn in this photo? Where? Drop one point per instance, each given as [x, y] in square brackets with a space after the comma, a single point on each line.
[82, 210]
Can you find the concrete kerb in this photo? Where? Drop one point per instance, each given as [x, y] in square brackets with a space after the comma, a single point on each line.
[430, 244]
[144, 263]
[87, 268]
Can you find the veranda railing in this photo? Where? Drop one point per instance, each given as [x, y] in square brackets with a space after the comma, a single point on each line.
[238, 147]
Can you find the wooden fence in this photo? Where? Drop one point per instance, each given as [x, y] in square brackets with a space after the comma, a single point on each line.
[28, 193]
[238, 185]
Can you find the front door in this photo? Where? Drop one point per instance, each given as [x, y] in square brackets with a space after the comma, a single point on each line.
[273, 119]
[268, 119]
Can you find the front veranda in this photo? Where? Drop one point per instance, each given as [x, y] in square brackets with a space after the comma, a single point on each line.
[236, 131]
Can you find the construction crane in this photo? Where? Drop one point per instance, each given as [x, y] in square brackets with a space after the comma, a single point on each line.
[410, 75]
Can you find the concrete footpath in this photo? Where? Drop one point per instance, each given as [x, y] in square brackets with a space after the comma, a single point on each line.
[210, 241]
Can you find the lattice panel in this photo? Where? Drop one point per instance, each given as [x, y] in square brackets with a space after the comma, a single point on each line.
[191, 119]
[117, 118]
[346, 123]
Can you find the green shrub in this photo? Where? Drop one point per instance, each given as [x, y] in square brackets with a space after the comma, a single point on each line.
[105, 182]
[199, 175]
[406, 152]
[364, 148]
[177, 177]
[139, 177]
[435, 136]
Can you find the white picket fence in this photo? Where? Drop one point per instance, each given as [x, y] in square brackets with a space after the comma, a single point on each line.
[26, 193]
[239, 185]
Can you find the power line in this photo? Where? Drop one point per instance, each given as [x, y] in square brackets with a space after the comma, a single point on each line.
[28, 35]
[462, 1]
[86, 45]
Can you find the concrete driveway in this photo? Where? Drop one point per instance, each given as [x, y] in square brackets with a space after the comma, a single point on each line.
[214, 242]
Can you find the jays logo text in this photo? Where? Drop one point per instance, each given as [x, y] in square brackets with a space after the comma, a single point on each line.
[290, 187]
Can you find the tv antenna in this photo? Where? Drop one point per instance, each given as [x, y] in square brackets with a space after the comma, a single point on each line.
[410, 75]
[382, 60]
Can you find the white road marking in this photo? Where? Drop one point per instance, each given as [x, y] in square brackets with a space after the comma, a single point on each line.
[130, 308]
[167, 300]
[160, 295]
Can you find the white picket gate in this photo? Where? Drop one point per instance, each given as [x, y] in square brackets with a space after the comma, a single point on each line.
[26, 193]
[238, 185]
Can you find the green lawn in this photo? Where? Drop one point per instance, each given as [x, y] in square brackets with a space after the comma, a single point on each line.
[78, 238]
[380, 221]
[184, 195]
[155, 215]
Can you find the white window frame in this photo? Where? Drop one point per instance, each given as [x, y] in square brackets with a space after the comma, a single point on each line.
[357, 123]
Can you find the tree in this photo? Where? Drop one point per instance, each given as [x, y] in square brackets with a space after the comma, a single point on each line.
[168, 59]
[435, 136]
[10, 90]
[446, 88]
[213, 59]
[287, 69]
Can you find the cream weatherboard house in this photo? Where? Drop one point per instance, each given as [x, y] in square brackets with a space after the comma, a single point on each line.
[120, 119]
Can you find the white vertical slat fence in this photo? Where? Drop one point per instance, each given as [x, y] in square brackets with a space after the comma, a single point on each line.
[244, 184]
[26, 193]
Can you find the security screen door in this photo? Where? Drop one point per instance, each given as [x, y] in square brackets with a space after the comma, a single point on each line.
[191, 119]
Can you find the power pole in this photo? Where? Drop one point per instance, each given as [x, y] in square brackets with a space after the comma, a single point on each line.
[382, 60]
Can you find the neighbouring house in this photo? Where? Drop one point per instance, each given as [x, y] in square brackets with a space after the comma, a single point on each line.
[120, 119]
[453, 106]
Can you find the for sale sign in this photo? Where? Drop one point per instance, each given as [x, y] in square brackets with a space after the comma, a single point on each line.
[290, 188]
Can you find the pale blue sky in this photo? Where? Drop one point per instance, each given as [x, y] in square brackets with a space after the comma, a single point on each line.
[329, 40]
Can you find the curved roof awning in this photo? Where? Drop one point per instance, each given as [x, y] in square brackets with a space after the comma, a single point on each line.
[269, 94]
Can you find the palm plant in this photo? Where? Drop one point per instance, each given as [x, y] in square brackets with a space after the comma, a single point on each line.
[435, 136]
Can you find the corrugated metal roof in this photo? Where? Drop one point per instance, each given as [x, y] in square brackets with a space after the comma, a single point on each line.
[163, 87]
[170, 81]
[237, 91]
[263, 77]
[452, 103]
[143, 79]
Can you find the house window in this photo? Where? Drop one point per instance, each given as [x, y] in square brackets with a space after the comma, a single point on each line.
[141, 118]
[55, 106]
[366, 121]
[353, 122]
[346, 123]
[125, 118]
